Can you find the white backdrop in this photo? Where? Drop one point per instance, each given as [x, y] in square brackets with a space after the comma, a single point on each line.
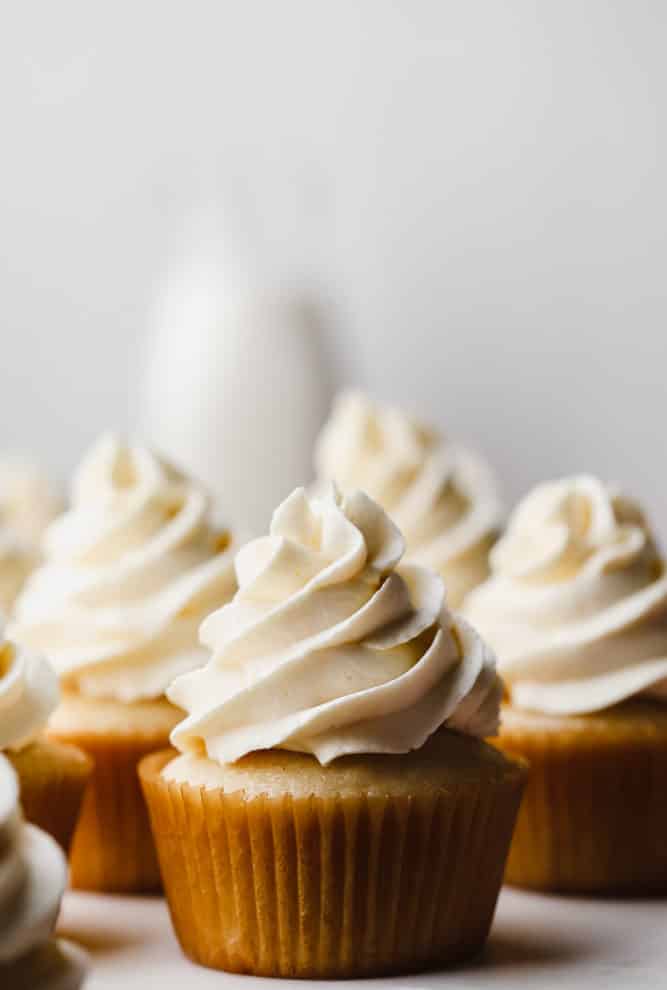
[478, 186]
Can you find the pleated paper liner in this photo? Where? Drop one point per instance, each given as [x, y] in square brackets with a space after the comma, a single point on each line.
[594, 815]
[52, 781]
[331, 886]
[112, 849]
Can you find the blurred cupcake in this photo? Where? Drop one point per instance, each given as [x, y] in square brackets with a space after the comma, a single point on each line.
[576, 610]
[441, 496]
[130, 572]
[334, 811]
[33, 873]
[52, 776]
[28, 503]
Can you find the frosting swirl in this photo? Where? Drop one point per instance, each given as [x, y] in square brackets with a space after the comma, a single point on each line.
[576, 607]
[28, 695]
[28, 501]
[131, 570]
[440, 495]
[17, 561]
[33, 873]
[327, 648]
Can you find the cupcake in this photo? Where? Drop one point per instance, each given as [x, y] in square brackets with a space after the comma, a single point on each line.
[130, 572]
[52, 776]
[333, 811]
[33, 873]
[440, 495]
[28, 503]
[576, 609]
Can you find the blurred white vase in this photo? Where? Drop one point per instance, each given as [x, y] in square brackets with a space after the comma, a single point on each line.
[237, 386]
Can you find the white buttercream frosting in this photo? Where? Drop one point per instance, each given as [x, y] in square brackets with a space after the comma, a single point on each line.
[28, 695]
[441, 495]
[576, 607]
[329, 648]
[130, 572]
[33, 873]
[29, 501]
[17, 562]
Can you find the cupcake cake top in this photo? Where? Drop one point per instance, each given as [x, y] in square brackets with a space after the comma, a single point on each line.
[28, 695]
[576, 607]
[131, 569]
[330, 648]
[33, 873]
[441, 496]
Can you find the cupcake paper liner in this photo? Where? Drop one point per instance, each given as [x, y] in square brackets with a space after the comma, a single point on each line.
[52, 781]
[335, 886]
[594, 815]
[112, 849]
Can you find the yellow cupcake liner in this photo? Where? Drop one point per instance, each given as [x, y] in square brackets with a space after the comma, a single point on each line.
[112, 849]
[594, 814]
[330, 887]
[52, 780]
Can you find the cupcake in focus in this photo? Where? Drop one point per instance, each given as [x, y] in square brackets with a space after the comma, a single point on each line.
[28, 503]
[130, 572]
[52, 775]
[576, 610]
[333, 811]
[441, 496]
[33, 873]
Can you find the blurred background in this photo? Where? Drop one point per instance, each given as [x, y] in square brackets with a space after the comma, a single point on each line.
[469, 195]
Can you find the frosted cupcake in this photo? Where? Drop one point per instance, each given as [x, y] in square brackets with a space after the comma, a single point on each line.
[28, 503]
[52, 775]
[441, 496]
[576, 610]
[33, 873]
[131, 570]
[333, 811]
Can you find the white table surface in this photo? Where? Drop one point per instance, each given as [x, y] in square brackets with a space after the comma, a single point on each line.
[536, 941]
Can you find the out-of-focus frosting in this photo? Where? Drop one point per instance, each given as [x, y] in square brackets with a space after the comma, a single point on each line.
[29, 501]
[327, 648]
[33, 873]
[576, 607]
[131, 571]
[28, 695]
[440, 495]
[17, 561]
